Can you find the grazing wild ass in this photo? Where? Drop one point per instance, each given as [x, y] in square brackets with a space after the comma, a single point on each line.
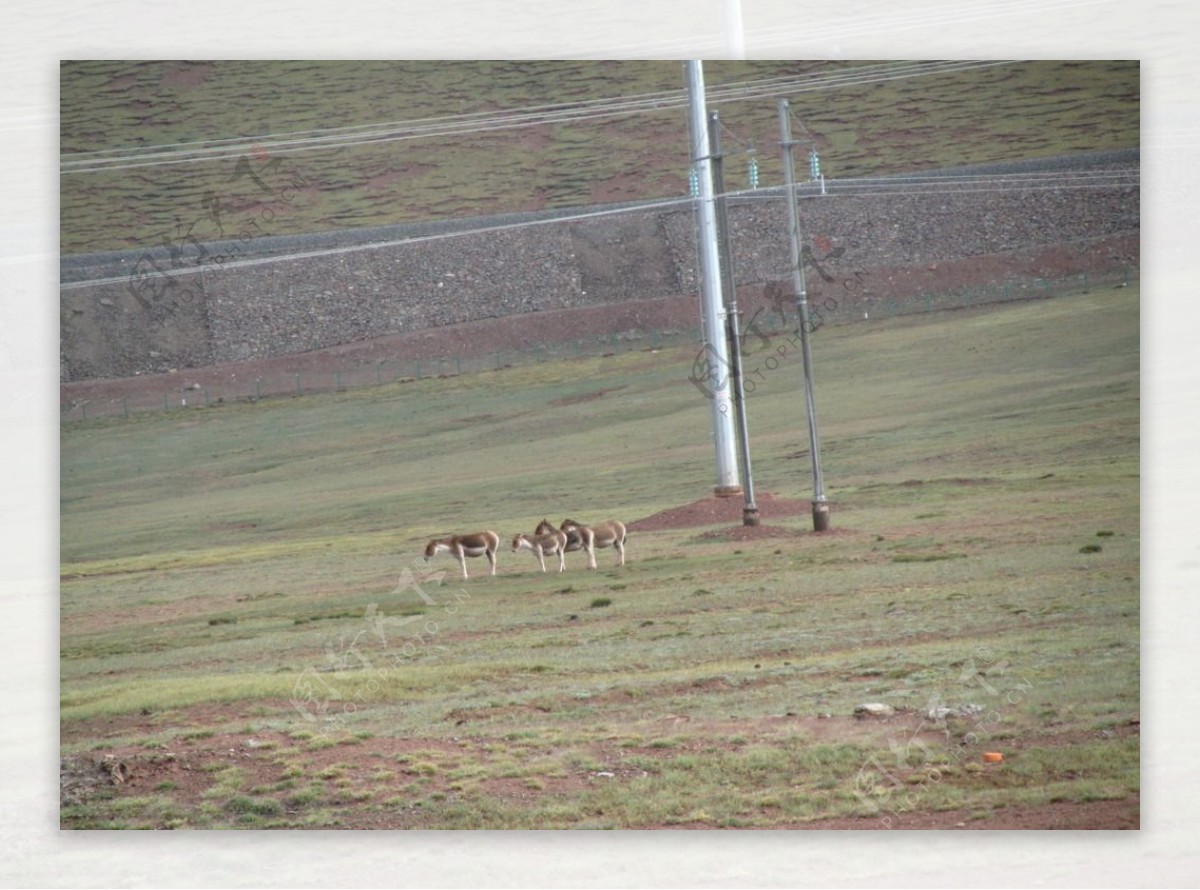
[578, 538]
[544, 544]
[575, 539]
[462, 546]
[606, 534]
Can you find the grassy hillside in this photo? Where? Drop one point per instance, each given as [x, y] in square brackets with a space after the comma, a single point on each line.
[233, 577]
[1023, 110]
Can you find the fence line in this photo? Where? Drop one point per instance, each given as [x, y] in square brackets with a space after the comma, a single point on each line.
[845, 311]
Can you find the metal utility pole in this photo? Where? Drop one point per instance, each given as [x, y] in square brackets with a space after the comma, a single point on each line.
[715, 351]
[820, 507]
[732, 318]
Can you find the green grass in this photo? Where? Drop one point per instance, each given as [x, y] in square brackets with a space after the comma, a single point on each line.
[1025, 110]
[969, 456]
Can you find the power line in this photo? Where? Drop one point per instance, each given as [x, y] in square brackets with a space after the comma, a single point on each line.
[673, 96]
[419, 239]
[914, 184]
[474, 123]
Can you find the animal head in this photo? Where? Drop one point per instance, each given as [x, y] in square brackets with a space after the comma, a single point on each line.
[568, 525]
[543, 527]
[518, 541]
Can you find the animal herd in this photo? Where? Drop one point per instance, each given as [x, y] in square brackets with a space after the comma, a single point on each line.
[546, 540]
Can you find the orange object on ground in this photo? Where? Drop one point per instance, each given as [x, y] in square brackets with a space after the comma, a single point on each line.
[992, 757]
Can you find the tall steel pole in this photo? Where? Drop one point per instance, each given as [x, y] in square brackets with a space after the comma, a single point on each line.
[820, 507]
[733, 320]
[713, 307]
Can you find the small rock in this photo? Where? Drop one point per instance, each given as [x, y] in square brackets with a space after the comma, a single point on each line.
[874, 709]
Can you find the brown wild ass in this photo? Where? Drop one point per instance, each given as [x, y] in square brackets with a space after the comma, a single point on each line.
[606, 534]
[578, 538]
[575, 539]
[544, 544]
[462, 546]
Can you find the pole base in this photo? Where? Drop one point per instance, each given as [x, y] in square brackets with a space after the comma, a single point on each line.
[749, 515]
[820, 514]
[727, 491]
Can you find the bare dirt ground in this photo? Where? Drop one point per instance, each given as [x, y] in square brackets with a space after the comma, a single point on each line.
[711, 510]
[189, 766]
[565, 325]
